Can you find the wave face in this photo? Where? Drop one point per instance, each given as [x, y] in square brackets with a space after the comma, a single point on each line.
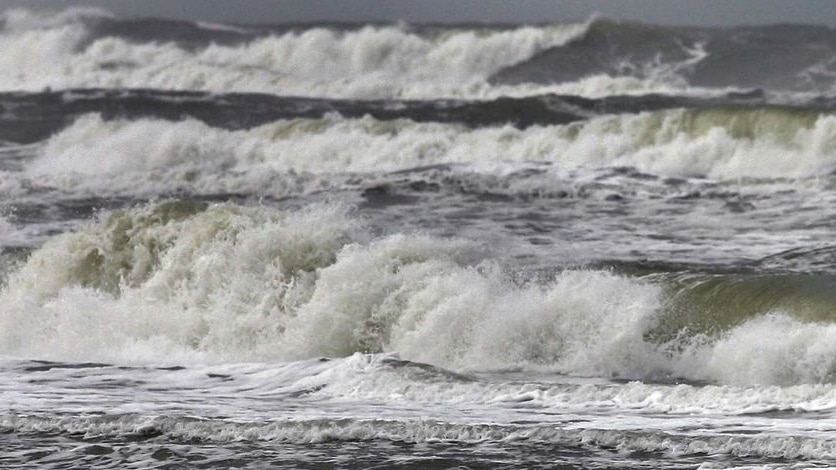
[189, 282]
[741, 57]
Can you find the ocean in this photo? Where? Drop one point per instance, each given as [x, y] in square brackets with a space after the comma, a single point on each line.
[589, 245]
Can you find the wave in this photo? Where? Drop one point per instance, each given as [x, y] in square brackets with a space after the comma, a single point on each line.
[740, 57]
[31, 117]
[84, 48]
[16, 20]
[803, 260]
[303, 155]
[189, 282]
[370, 62]
[416, 431]
[387, 379]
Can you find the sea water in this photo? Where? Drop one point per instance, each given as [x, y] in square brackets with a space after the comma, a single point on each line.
[371, 246]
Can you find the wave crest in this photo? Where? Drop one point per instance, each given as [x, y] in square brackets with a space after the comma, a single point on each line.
[300, 155]
[372, 62]
[179, 281]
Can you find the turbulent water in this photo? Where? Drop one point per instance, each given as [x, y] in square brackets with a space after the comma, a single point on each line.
[585, 245]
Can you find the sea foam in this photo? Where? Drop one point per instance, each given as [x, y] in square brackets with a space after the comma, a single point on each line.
[61, 51]
[312, 432]
[105, 156]
[229, 283]
[177, 281]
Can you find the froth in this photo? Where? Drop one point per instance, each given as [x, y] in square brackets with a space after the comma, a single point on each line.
[172, 277]
[292, 156]
[421, 431]
[228, 283]
[186, 282]
[16, 19]
[373, 62]
[384, 378]
[755, 352]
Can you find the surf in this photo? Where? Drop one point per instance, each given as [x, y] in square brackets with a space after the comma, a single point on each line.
[223, 283]
[388, 61]
[747, 146]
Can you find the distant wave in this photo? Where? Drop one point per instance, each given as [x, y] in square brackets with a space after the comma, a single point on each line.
[725, 143]
[68, 50]
[84, 48]
[31, 117]
[782, 57]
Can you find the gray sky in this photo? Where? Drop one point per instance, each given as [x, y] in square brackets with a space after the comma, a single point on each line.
[695, 12]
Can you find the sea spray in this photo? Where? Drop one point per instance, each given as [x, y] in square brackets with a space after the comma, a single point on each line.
[186, 281]
[392, 244]
[722, 144]
[371, 62]
[168, 273]
[236, 283]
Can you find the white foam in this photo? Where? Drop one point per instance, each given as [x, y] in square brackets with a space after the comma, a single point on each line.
[293, 156]
[154, 309]
[381, 378]
[221, 27]
[175, 282]
[772, 349]
[18, 19]
[240, 284]
[373, 62]
[422, 431]
[400, 385]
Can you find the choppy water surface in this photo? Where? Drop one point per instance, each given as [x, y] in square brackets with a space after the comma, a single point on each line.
[588, 245]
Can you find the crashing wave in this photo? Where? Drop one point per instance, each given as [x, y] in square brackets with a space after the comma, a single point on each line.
[224, 283]
[302, 155]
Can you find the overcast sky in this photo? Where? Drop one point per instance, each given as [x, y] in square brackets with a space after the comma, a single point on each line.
[695, 12]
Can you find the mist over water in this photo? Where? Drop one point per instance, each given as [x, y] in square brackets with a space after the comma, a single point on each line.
[597, 244]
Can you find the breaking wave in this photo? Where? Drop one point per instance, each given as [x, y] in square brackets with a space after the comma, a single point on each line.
[41, 50]
[86, 48]
[177, 281]
[301, 155]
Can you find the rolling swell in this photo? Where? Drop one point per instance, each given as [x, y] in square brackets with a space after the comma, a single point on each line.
[781, 57]
[30, 117]
[224, 283]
